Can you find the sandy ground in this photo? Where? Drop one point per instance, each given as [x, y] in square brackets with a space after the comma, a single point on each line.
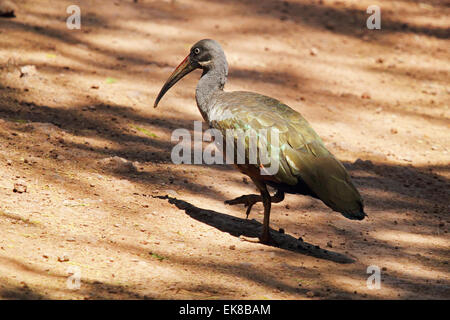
[72, 99]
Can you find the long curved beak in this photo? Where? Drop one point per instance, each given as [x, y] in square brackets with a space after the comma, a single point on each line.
[183, 69]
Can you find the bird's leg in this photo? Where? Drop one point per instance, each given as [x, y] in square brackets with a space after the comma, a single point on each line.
[266, 200]
[265, 235]
[249, 200]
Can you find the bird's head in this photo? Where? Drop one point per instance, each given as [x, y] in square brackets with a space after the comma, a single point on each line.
[206, 54]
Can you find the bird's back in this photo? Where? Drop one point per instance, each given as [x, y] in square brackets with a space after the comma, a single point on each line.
[305, 165]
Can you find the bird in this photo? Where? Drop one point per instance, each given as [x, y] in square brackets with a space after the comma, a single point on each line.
[306, 167]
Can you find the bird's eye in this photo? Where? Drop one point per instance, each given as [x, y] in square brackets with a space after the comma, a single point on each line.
[197, 50]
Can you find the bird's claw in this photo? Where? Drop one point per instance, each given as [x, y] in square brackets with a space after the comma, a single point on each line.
[247, 200]
[267, 240]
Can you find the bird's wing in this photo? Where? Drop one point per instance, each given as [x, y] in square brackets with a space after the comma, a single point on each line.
[300, 153]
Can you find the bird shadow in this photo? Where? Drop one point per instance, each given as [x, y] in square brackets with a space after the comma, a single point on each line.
[251, 228]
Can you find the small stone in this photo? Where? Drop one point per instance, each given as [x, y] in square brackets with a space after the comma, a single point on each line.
[329, 26]
[246, 264]
[7, 9]
[366, 95]
[118, 164]
[9, 162]
[310, 294]
[362, 163]
[172, 192]
[63, 258]
[232, 247]
[394, 131]
[329, 244]
[29, 70]
[313, 51]
[378, 110]
[20, 187]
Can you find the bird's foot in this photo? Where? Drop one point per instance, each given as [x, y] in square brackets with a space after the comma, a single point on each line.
[249, 239]
[267, 240]
[247, 200]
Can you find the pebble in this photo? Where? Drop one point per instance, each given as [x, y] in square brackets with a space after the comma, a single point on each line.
[378, 110]
[63, 258]
[28, 70]
[366, 95]
[362, 163]
[172, 192]
[20, 187]
[7, 9]
[313, 51]
[246, 264]
[118, 164]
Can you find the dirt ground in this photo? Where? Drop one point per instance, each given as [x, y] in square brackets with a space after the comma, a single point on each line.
[141, 227]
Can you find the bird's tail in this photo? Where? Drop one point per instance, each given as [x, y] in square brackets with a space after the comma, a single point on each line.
[329, 180]
[356, 214]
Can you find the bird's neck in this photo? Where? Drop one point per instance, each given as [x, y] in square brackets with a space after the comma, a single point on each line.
[211, 82]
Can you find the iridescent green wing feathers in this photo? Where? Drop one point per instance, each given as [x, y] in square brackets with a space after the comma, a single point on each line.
[300, 151]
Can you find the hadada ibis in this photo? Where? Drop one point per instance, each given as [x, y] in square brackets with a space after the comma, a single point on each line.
[305, 165]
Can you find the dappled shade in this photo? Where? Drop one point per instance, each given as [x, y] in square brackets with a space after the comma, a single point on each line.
[152, 229]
